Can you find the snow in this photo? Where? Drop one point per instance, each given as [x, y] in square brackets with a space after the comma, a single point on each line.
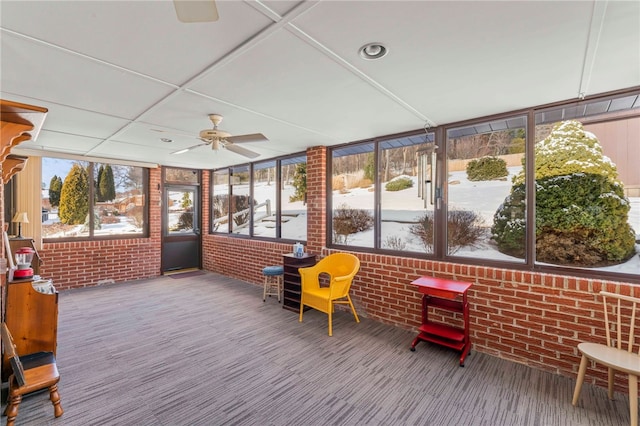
[481, 197]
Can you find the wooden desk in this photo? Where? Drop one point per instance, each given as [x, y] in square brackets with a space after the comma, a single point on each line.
[449, 295]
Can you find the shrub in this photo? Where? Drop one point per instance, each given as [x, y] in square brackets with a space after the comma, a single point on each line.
[464, 229]
[581, 210]
[398, 184]
[347, 221]
[394, 243]
[581, 219]
[486, 168]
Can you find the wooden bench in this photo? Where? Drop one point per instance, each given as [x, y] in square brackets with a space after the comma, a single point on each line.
[32, 372]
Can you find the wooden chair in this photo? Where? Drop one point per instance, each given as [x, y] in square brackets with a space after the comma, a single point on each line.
[340, 268]
[618, 353]
[32, 373]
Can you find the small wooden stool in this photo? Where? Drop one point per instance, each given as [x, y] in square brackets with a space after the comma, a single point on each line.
[272, 281]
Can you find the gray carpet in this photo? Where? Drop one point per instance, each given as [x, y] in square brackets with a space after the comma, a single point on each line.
[207, 351]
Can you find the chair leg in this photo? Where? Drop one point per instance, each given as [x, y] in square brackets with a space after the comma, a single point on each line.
[279, 287]
[54, 396]
[301, 310]
[353, 309]
[580, 379]
[329, 313]
[12, 409]
[612, 377]
[264, 288]
[633, 399]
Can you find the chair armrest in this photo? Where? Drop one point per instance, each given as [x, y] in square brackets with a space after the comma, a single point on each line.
[309, 277]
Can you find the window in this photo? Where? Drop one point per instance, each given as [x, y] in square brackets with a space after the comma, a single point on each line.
[265, 188]
[241, 201]
[353, 175]
[220, 201]
[486, 210]
[293, 196]
[394, 174]
[264, 200]
[406, 203]
[588, 185]
[116, 194]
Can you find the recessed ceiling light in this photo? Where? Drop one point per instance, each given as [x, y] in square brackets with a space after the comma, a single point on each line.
[372, 51]
[166, 140]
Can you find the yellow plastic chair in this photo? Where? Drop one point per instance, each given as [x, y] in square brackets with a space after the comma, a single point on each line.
[618, 354]
[340, 269]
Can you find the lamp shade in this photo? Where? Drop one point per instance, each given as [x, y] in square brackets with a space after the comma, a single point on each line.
[20, 217]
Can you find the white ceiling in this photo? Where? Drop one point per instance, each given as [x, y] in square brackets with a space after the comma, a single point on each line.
[112, 73]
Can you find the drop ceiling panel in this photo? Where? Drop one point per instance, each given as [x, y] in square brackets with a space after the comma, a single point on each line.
[299, 84]
[56, 76]
[143, 36]
[61, 142]
[486, 57]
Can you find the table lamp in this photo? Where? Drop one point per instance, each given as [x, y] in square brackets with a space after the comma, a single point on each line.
[20, 218]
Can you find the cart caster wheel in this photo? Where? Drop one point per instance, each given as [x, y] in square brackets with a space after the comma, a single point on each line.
[412, 349]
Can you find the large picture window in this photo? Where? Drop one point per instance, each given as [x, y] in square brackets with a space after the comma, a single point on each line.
[83, 200]
[588, 185]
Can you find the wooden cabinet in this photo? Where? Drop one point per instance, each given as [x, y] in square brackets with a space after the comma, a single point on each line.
[32, 318]
[291, 281]
[438, 293]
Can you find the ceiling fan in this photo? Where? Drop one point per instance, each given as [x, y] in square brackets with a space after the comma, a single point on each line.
[189, 11]
[221, 139]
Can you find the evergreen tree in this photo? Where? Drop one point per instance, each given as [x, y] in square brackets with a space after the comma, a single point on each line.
[300, 183]
[74, 196]
[98, 187]
[106, 185]
[581, 210]
[55, 186]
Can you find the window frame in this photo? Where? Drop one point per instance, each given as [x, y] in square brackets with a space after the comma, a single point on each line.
[92, 195]
[278, 162]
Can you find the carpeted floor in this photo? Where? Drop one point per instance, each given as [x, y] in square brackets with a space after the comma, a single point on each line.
[208, 351]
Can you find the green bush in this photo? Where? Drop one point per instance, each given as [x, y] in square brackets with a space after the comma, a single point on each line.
[464, 229]
[399, 184]
[347, 221]
[581, 211]
[581, 219]
[487, 168]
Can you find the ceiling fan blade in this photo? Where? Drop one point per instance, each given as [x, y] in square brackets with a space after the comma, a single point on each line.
[240, 150]
[189, 11]
[182, 151]
[254, 137]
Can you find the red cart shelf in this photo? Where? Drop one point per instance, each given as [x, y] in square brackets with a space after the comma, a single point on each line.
[449, 295]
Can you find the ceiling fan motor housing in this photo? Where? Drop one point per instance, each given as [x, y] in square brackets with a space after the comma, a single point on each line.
[214, 134]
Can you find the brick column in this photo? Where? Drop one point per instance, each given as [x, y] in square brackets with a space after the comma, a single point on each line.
[316, 199]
